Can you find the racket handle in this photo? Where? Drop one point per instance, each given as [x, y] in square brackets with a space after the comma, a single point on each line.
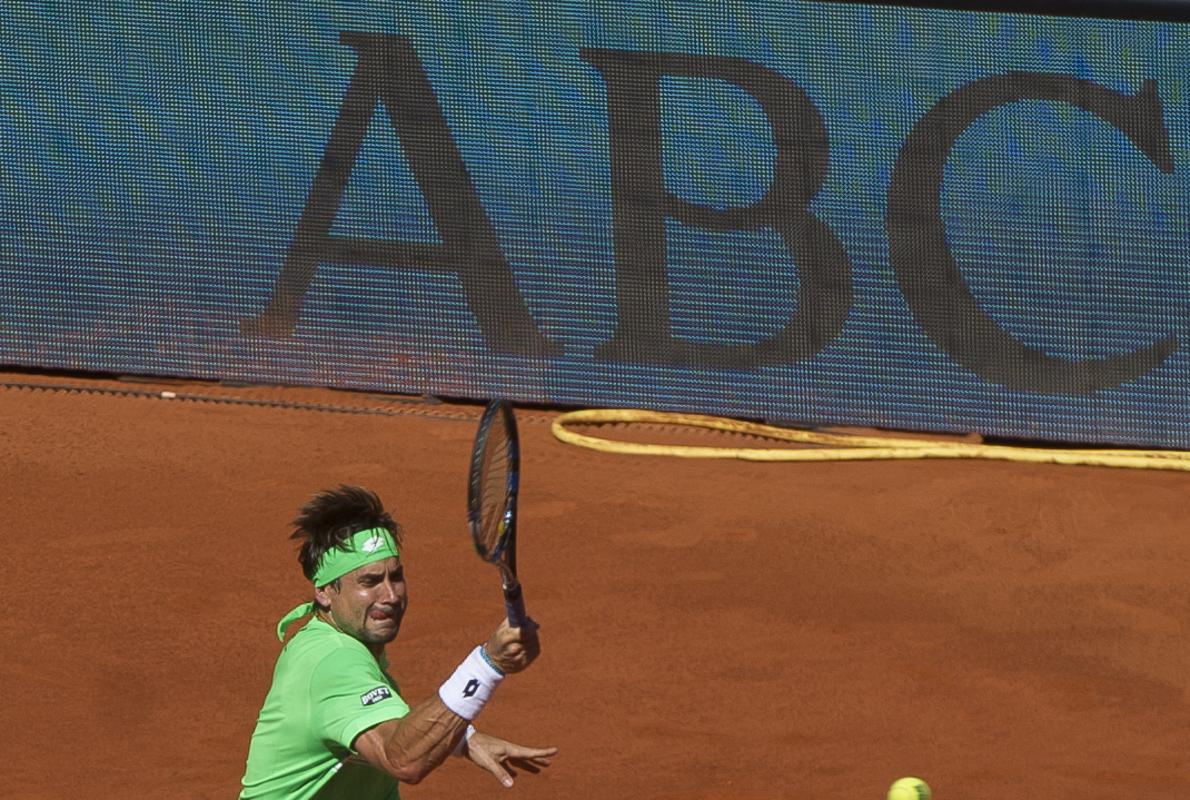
[514, 605]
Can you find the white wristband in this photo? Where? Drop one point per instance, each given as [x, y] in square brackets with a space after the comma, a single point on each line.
[461, 747]
[468, 689]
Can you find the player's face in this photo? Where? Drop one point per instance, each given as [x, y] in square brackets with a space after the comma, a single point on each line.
[371, 601]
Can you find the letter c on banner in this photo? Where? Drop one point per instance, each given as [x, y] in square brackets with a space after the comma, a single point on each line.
[927, 272]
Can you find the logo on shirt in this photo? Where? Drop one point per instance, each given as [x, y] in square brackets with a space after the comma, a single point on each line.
[375, 696]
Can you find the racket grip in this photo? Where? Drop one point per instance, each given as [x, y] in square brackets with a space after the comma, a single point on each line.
[514, 605]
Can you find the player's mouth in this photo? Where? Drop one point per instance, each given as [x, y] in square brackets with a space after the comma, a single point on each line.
[383, 615]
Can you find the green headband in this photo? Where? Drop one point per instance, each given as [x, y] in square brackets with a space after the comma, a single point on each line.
[363, 548]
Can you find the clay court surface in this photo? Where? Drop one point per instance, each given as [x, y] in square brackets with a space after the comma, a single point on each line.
[710, 629]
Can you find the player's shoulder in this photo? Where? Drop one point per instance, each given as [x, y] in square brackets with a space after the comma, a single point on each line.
[321, 647]
[316, 642]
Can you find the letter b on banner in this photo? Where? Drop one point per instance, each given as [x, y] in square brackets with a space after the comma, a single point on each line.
[641, 204]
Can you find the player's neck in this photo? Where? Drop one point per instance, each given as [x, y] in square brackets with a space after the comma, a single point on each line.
[375, 648]
[325, 615]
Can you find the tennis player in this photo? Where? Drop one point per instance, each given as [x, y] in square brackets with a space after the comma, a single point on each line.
[334, 723]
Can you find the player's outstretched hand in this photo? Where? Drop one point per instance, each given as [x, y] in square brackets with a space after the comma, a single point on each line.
[513, 649]
[504, 759]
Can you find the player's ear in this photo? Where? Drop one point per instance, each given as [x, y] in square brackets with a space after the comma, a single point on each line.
[322, 594]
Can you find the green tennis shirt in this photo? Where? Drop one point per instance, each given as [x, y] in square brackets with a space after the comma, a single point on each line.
[327, 689]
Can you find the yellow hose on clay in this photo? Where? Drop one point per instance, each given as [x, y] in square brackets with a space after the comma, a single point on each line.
[839, 446]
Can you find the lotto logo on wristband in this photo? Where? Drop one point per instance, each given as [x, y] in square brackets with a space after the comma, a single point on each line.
[468, 689]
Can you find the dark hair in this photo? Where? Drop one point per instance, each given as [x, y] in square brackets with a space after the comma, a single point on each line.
[335, 515]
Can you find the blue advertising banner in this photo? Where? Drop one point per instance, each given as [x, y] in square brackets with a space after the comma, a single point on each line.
[856, 214]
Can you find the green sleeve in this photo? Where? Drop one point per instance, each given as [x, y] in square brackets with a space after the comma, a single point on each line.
[350, 693]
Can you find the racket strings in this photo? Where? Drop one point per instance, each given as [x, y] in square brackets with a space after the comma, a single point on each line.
[494, 488]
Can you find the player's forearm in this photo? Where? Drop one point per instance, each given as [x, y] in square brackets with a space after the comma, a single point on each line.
[410, 748]
[423, 739]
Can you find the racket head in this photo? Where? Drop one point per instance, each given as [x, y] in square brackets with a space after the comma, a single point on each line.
[492, 487]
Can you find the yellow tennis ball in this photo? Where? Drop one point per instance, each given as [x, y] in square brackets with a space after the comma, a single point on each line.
[909, 789]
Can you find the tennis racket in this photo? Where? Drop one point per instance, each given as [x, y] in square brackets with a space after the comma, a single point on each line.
[491, 500]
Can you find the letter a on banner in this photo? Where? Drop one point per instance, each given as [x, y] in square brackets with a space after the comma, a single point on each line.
[388, 72]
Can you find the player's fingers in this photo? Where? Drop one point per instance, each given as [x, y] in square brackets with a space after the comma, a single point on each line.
[516, 638]
[529, 759]
[532, 765]
[530, 648]
[519, 652]
[529, 624]
[498, 769]
[520, 751]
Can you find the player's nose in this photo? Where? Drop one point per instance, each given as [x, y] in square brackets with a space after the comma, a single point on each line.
[392, 591]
